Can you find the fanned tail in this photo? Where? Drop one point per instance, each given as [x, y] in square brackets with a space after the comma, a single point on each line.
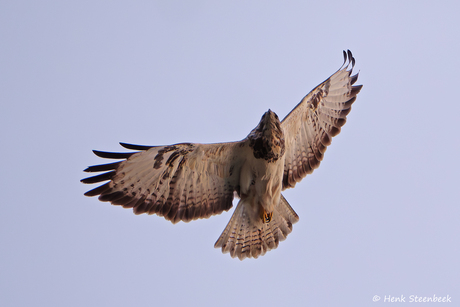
[244, 238]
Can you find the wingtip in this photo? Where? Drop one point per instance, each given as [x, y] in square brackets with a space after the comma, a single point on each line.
[348, 59]
[135, 147]
[99, 178]
[113, 155]
[354, 78]
[356, 89]
[349, 56]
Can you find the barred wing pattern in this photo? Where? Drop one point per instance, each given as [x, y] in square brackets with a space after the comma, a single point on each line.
[189, 181]
[310, 126]
[182, 182]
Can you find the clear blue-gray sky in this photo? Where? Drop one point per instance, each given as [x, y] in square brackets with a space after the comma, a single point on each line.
[379, 217]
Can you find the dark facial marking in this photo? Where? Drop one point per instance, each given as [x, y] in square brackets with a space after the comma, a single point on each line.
[267, 139]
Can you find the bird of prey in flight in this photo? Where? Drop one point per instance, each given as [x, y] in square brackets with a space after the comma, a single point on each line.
[189, 181]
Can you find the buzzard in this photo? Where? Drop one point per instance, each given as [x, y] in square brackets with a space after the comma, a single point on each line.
[189, 181]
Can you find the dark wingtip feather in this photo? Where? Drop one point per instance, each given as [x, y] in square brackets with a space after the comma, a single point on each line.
[135, 147]
[99, 178]
[348, 104]
[351, 59]
[112, 196]
[99, 190]
[113, 155]
[334, 131]
[355, 90]
[102, 167]
[353, 79]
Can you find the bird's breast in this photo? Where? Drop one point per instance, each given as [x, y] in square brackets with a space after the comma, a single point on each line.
[261, 183]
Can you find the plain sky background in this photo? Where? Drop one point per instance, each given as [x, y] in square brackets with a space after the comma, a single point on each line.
[379, 217]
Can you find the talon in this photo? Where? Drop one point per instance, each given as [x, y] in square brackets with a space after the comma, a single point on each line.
[266, 216]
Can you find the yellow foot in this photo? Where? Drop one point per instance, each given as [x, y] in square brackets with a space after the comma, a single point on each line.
[265, 216]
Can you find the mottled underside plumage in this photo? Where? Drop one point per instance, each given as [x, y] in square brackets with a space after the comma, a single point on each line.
[189, 181]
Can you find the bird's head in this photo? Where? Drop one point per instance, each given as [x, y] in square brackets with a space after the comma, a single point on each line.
[267, 138]
[270, 120]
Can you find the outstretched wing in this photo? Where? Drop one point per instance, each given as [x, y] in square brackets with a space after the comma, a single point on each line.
[181, 182]
[309, 127]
